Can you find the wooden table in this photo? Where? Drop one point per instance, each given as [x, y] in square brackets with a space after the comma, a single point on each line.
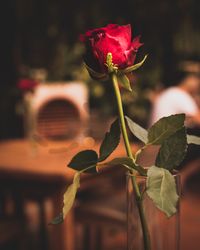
[38, 170]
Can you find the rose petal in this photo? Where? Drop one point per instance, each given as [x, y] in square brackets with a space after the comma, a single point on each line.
[110, 45]
[122, 34]
[130, 57]
[136, 44]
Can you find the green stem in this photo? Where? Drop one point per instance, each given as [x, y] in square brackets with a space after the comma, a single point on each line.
[121, 116]
[129, 154]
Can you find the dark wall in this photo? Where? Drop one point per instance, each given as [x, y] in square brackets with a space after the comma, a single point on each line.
[9, 123]
[33, 31]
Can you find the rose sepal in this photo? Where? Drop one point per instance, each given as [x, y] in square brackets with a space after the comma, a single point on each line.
[96, 75]
[124, 81]
[133, 67]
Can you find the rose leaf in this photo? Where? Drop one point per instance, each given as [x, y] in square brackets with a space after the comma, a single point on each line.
[57, 220]
[164, 128]
[110, 141]
[70, 194]
[161, 188]
[127, 162]
[84, 159]
[173, 150]
[137, 130]
[68, 200]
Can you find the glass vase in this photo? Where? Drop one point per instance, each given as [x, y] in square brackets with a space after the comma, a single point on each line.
[164, 232]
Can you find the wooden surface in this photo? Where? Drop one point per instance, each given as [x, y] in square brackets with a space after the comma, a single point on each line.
[43, 159]
[37, 170]
[35, 160]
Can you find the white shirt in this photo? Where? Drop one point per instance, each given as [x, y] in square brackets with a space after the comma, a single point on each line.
[173, 101]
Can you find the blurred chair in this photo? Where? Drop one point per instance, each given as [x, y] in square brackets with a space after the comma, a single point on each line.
[100, 211]
[101, 226]
[12, 221]
[57, 111]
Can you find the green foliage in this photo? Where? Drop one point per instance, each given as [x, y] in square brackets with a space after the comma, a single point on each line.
[164, 128]
[161, 188]
[133, 67]
[94, 74]
[110, 141]
[137, 130]
[83, 160]
[124, 81]
[68, 200]
[57, 220]
[173, 150]
[127, 162]
[70, 194]
[192, 139]
[169, 132]
[86, 160]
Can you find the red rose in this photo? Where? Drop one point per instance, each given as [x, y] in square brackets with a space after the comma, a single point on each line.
[26, 84]
[113, 39]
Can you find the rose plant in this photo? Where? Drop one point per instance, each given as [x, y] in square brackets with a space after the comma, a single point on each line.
[110, 54]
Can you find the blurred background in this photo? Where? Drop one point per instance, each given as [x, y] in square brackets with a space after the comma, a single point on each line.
[43, 81]
[45, 35]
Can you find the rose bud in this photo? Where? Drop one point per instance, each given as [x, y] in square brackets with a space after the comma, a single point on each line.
[110, 49]
[112, 39]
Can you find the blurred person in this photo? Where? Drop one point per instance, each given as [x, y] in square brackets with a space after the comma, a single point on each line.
[179, 99]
